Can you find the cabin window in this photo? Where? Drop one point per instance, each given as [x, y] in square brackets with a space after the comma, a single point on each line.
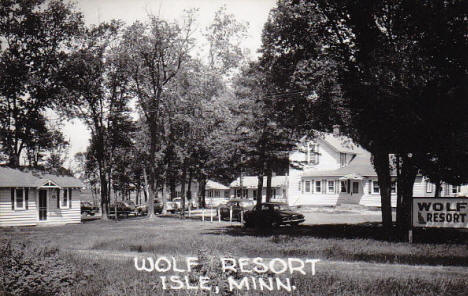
[375, 187]
[343, 186]
[238, 192]
[19, 199]
[429, 187]
[307, 186]
[318, 186]
[65, 201]
[331, 186]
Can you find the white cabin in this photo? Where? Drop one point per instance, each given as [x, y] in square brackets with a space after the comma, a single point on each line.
[28, 198]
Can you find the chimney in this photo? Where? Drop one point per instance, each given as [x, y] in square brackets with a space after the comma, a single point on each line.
[336, 130]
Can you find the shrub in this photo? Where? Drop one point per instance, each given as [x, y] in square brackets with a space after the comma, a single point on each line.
[31, 270]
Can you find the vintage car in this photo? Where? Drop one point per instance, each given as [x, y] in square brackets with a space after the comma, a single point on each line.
[124, 208]
[237, 206]
[87, 208]
[143, 209]
[272, 215]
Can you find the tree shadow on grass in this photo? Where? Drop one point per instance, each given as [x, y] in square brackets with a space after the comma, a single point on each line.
[368, 230]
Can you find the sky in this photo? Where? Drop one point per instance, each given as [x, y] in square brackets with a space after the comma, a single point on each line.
[255, 12]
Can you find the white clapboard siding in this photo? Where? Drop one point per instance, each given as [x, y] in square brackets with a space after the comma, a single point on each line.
[9, 217]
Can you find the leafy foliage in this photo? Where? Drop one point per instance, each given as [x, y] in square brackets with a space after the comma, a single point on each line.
[27, 270]
[35, 40]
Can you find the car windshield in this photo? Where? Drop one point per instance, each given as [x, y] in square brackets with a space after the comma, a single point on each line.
[281, 207]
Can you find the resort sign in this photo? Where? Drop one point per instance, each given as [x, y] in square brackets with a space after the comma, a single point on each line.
[440, 212]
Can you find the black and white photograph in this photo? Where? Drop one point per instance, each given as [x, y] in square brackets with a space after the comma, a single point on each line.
[233, 147]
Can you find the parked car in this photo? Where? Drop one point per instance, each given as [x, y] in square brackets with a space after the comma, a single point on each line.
[272, 215]
[143, 209]
[87, 208]
[124, 208]
[237, 205]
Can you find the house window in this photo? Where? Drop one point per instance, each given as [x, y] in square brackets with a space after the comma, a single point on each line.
[429, 187]
[342, 159]
[238, 192]
[307, 186]
[456, 189]
[19, 199]
[318, 186]
[312, 153]
[375, 187]
[343, 186]
[393, 188]
[355, 187]
[331, 186]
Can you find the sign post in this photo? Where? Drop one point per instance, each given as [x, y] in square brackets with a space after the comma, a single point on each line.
[410, 229]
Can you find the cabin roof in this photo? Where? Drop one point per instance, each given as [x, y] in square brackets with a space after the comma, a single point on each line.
[16, 178]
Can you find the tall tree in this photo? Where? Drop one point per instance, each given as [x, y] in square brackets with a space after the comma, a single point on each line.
[34, 43]
[97, 93]
[156, 52]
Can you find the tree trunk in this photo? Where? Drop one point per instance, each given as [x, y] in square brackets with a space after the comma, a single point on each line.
[405, 184]
[202, 192]
[182, 190]
[259, 190]
[104, 200]
[189, 186]
[268, 188]
[149, 194]
[164, 197]
[382, 167]
[438, 188]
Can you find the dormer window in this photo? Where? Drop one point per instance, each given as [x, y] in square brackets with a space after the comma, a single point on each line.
[343, 160]
[312, 153]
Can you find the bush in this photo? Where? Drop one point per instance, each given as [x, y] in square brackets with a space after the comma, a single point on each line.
[29, 270]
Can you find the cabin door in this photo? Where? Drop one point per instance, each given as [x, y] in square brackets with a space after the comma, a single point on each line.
[42, 205]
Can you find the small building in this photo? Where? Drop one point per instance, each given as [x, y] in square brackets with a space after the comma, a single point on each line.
[35, 198]
[249, 187]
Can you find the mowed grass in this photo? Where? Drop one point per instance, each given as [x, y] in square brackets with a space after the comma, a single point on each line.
[184, 237]
[116, 277]
[356, 244]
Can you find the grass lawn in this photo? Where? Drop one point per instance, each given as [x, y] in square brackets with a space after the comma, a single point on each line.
[356, 259]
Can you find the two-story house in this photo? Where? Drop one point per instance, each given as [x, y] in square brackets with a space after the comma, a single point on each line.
[332, 170]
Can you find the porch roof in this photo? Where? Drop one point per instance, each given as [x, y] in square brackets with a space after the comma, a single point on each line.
[16, 178]
[215, 185]
[252, 181]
